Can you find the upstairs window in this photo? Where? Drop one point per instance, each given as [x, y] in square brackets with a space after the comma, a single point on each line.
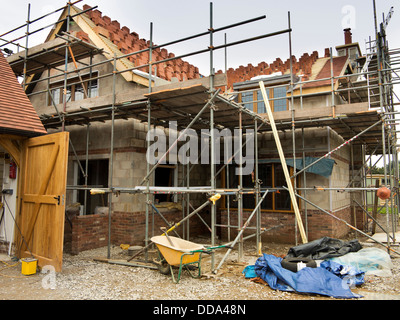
[75, 89]
[253, 100]
[247, 100]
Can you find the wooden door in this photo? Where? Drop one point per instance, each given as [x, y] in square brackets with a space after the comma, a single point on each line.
[42, 187]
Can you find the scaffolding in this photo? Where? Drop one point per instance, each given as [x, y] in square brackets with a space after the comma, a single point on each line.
[200, 105]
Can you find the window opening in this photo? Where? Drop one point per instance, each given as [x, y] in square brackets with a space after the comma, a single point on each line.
[164, 177]
[272, 176]
[75, 89]
[97, 177]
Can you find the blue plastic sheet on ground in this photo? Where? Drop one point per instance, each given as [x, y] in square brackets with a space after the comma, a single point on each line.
[308, 280]
[350, 274]
[249, 272]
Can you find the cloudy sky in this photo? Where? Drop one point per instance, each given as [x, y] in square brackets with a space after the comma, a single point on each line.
[316, 24]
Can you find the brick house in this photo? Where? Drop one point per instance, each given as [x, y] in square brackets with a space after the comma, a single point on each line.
[309, 90]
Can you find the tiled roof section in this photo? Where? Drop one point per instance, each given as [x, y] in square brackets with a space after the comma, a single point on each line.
[300, 66]
[338, 65]
[17, 115]
[128, 42]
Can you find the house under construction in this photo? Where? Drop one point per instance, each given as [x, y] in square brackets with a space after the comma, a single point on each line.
[332, 118]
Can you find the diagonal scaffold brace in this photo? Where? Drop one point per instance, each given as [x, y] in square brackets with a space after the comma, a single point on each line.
[240, 232]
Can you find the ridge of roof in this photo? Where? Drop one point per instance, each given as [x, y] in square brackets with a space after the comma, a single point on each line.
[126, 42]
[17, 115]
[303, 65]
[310, 67]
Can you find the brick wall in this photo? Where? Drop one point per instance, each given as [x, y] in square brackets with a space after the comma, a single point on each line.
[91, 231]
[319, 225]
[87, 232]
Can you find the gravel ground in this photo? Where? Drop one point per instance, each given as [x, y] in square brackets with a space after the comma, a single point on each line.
[84, 278]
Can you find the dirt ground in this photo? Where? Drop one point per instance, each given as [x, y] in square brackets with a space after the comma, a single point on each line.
[85, 278]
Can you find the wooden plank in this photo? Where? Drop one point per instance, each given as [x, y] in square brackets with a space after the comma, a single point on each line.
[36, 198]
[283, 162]
[50, 53]
[322, 112]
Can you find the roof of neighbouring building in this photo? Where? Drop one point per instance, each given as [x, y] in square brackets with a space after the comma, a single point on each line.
[17, 115]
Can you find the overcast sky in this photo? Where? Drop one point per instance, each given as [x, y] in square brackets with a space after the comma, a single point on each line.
[316, 24]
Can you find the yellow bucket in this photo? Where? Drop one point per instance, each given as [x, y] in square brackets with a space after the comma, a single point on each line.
[28, 266]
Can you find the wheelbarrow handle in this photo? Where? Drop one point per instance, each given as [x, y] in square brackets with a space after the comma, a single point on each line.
[218, 247]
[209, 249]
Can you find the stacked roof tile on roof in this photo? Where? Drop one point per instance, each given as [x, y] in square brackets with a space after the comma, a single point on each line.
[17, 115]
[302, 65]
[129, 42]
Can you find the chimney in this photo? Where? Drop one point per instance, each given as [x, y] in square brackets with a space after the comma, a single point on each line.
[347, 36]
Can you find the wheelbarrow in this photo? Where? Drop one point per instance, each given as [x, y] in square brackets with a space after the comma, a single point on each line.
[177, 252]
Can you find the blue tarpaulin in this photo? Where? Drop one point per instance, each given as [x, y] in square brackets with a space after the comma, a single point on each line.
[323, 167]
[351, 274]
[308, 280]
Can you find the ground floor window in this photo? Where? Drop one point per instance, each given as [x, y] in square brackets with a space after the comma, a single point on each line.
[97, 178]
[272, 176]
[164, 176]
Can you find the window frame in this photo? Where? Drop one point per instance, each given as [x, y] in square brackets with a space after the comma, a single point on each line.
[93, 164]
[273, 210]
[72, 84]
[256, 98]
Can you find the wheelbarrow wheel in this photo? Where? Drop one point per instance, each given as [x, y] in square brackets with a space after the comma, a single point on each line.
[163, 265]
[164, 268]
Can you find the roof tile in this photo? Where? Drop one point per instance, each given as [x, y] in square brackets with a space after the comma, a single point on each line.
[128, 42]
[17, 115]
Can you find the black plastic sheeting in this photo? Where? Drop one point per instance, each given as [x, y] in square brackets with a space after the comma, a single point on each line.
[324, 248]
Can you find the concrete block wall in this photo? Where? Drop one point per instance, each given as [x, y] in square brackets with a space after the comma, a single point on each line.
[129, 168]
[341, 174]
[105, 86]
[317, 143]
